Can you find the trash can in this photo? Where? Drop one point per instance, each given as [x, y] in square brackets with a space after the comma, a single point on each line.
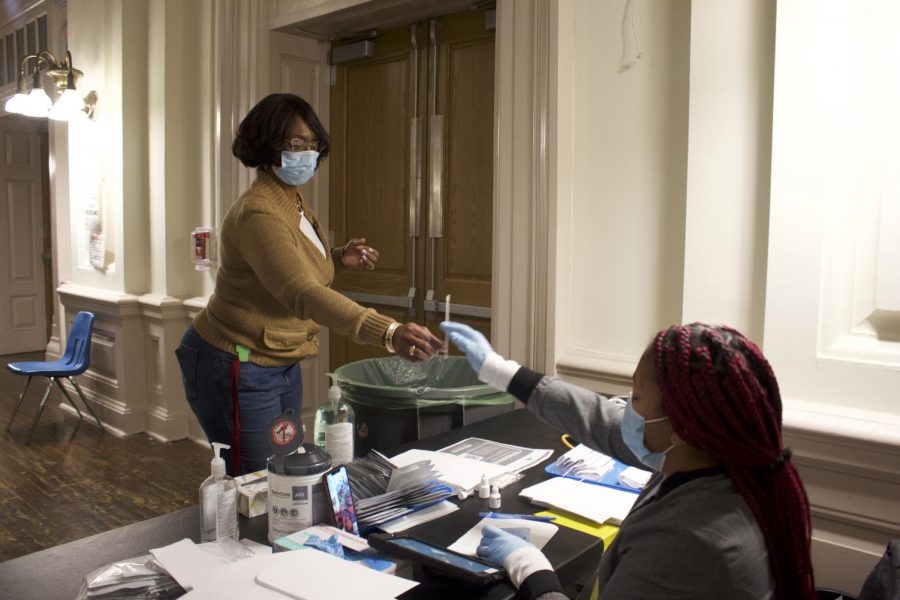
[396, 401]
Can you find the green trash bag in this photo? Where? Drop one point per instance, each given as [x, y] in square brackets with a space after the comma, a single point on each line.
[393, 383]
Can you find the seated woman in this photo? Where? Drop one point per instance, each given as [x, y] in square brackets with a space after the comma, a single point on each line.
[725, 515]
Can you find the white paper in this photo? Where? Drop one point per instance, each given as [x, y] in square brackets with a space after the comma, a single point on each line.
[582, 462]
[595, 502]
[634, 477]
[314, 575]
[541, 533]
[511, 458]
[420, 516]
[256, 547]
[237, 580]
[463, 473]
[186, 563]
[97, 250]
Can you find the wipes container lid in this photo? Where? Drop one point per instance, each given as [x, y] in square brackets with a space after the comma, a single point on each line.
[309, 460]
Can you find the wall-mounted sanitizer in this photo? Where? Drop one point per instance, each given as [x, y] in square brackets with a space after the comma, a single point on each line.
[203, 248]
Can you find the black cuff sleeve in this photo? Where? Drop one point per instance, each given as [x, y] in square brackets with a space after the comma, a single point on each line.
[539, 582]
[523, 383]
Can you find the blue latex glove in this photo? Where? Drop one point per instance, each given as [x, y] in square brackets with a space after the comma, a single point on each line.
[496, 545]
[471, 342]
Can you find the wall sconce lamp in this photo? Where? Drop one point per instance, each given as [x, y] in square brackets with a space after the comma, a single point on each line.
[36, 103]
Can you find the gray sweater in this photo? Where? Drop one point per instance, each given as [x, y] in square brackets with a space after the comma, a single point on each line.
[691, 536]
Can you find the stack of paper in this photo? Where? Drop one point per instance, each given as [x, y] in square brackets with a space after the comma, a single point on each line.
[513, 458]
[369, 474]
[302, 574]
[582, 462]
[384, 491]
[376, 510]
[598, 503]
[457, 471]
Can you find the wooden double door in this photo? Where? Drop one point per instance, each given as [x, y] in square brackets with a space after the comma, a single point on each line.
[411, 170]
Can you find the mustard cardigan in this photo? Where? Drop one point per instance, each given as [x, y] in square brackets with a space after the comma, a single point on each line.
[272, 290]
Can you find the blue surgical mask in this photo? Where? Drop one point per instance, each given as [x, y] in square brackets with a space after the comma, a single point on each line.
[633, 435]
[297, 167]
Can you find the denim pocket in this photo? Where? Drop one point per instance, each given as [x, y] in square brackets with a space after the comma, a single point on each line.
[188, 360]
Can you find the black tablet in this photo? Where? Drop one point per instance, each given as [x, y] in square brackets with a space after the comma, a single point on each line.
[463, 568]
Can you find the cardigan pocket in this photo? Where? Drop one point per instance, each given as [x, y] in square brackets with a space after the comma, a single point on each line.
[284, 339]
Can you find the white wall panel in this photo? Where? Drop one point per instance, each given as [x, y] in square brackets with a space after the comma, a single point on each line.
[621, 230]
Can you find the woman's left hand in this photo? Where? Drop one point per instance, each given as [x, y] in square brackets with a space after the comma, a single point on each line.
[357, 255]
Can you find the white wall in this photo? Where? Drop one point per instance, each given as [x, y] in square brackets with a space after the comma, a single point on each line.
[147, 161]
[743, 171]
[832, 297]
[622, 186]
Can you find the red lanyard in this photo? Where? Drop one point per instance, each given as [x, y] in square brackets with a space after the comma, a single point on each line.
[235, 417]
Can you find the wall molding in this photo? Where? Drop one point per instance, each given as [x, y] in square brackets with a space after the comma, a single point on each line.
[167, 412]
[115, 384]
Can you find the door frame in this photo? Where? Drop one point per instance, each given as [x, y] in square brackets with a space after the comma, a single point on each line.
[527, 145]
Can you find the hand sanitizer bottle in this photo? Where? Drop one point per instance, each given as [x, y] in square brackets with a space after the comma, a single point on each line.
[218, 502]
[334, 426]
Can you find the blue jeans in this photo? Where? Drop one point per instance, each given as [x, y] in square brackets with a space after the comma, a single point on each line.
[263, 394]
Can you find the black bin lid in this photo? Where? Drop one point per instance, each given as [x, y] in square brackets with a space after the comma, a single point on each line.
[310, 460]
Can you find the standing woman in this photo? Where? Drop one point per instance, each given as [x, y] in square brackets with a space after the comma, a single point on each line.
[724, 516]
[239, 358]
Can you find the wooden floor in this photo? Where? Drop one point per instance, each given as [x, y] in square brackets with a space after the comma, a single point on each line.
[73, 480]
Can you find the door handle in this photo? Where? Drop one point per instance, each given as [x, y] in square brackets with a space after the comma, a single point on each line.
[436, 145]
[468, 310]
[415, 141]
[436, 154]
[415, 165]
[384, 300]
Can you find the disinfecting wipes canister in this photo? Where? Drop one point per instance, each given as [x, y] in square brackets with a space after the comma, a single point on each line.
[296, 493]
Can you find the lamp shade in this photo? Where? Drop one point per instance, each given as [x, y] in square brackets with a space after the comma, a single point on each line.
[37, 103]
[16, 104]
[69, 106]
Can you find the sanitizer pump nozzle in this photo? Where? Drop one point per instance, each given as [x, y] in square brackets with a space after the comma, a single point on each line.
[217, 464]
[334, 392]
[218, 501]
[335, 425]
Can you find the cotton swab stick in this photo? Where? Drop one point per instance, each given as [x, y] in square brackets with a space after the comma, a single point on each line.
[446, 318]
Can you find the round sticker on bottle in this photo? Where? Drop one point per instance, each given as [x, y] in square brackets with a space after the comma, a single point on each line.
[285, 434]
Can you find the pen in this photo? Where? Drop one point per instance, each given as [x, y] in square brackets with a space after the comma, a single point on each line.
[495, 515]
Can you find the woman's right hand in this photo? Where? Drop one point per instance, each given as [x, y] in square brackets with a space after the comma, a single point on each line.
[415, 343]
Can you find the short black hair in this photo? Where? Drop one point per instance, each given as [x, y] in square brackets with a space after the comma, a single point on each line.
[262, 132]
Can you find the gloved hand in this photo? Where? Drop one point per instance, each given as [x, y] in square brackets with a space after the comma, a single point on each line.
[471, 342]
[496, 545]
[518, 557]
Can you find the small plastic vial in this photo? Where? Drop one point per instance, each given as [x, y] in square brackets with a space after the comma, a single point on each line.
[484, 488]
[494, 500]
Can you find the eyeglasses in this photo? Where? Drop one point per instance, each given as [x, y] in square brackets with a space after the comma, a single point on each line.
[298, 144]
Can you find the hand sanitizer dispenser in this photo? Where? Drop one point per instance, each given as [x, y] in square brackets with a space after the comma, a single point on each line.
[334, 426]
[218, 502]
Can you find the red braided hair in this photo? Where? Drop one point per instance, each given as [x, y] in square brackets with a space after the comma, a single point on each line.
[721, 396]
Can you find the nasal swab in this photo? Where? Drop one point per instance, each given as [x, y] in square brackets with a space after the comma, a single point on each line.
[446, 318]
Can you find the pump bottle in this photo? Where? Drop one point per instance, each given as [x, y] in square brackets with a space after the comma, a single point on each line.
[218, 502]
[334, 426]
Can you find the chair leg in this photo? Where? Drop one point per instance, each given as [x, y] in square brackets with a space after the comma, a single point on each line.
[69, 398]
[83, 399]
[40, 409]
[19, 403]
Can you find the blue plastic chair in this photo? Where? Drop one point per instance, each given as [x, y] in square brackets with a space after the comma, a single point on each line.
[75, 361]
